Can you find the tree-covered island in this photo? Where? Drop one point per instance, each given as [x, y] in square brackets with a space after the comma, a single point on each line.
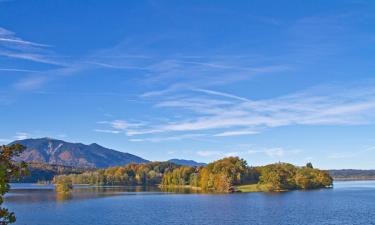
[226, 175]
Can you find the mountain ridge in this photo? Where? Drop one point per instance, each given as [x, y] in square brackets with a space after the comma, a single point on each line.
[59, 152]
[185, 162]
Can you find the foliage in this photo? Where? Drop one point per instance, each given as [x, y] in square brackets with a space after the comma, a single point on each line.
[181, 176]
[131, 174]
[278, 177]
[284, 176]
[9, 170]
[219, 176]
[64, 185]
[223, 175]
[44, 173]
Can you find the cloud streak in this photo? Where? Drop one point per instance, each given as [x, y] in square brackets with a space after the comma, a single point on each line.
[15, 47]
[273, 152]
[224, 114]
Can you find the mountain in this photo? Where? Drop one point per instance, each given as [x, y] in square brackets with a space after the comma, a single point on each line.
[58, 152]
[183, 162]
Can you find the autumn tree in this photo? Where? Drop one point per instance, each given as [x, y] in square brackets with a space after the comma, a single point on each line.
[64, 185]
[9, 170]
[309, 178]
[278, 176]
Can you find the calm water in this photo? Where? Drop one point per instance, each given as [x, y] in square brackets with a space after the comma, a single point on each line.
[348, 203]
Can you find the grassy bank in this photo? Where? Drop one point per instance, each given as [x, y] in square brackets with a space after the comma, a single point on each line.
[179, 187]
[256, 188]
[250, 188]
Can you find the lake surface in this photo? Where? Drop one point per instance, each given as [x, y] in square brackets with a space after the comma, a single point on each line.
[349, 202]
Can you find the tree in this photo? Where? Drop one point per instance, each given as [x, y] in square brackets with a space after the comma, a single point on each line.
[308, 178]
[278, 176]
[9, 170]
[64, 185]
[305, 178]
[222, 182]
[309, 165]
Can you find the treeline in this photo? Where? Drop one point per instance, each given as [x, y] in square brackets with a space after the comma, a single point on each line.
[225, 174]
[131, 174]
[285, 176]
[219, 176]
[44, 173]
[350, 174]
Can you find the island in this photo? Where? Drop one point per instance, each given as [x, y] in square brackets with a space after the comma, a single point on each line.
[227, 175]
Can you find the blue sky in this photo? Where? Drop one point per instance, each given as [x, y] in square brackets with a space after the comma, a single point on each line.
[264, 80]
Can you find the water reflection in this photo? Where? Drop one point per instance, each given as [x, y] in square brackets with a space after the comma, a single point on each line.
[61, 197]
[29, 193]
[181, 190]
[346, 203]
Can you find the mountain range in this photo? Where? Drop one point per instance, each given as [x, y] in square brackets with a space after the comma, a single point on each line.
[48, 157]
[58, 152]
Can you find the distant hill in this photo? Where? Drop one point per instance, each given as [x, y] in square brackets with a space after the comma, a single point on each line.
[58, 152]
[184, 162]
[350, 174]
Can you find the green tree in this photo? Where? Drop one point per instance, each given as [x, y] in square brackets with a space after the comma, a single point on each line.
[278, 176]
[9, 170]
[308, 178]
[305, 178]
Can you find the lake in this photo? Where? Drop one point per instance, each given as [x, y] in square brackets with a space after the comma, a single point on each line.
[349, 202]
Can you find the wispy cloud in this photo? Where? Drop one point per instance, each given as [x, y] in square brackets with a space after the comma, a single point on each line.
[21, 42]
[273, 152]
[22, 135]
[12, 46]
[167, 138]
[107, 131]
[222, 94]
[353, 154]
[236, 133]
[305, 108]
[37, 80]
[209, 153]
[8, 36]
[233, 115]
[18, 70]
[30, 83]
[207, 71]
[121, 124]
[112, 66]
[32, 57]
[169, 72]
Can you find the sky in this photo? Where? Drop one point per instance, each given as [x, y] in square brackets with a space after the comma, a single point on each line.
[268, 81]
